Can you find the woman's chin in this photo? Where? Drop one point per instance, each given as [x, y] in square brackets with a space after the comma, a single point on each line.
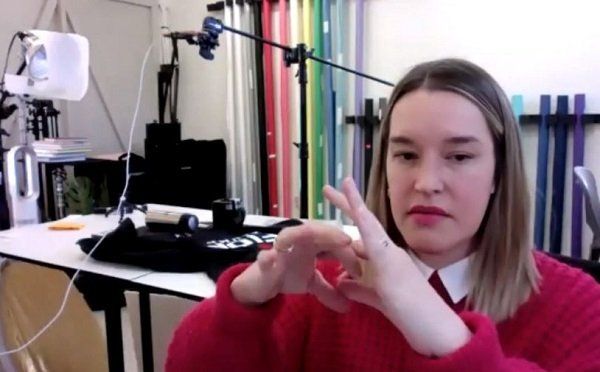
[427, 244]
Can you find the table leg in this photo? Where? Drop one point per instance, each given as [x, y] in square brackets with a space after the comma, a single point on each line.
[146, 332]
[114, 337]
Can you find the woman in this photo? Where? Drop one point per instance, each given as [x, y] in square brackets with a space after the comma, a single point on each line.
[443, 278]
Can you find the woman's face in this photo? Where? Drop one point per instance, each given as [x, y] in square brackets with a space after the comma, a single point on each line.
[440, 173]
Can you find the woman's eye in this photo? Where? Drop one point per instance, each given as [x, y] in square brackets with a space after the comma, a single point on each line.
[460, 157]
[405, 155]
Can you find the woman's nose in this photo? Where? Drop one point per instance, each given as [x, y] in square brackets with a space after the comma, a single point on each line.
[428, 178]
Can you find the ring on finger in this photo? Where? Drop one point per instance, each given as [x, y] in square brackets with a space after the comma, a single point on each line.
[284, 250]
[278, 247]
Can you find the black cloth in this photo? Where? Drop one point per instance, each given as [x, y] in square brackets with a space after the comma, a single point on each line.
[207, 250]
[190, 173]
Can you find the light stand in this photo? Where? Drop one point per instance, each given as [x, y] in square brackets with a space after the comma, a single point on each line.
[56, 67]
[208, 39]
[592, 207]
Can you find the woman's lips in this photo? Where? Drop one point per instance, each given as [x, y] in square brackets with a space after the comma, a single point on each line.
[427, 215]
[426, 219]
[427, 209]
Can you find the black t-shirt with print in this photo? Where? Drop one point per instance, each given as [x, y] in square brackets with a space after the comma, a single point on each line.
[207, 250]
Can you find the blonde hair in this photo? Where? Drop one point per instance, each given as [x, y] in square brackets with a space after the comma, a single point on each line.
[502, 272]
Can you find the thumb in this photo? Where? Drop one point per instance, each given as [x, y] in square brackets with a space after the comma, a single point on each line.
[266, 259]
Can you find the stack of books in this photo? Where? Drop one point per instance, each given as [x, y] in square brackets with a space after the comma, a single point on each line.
[61, 150]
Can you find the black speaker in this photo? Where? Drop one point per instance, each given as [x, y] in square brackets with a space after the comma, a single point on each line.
[187, 173]
[162, 147]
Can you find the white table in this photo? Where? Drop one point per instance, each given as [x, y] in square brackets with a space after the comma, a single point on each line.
[58, 249]
[39, 244]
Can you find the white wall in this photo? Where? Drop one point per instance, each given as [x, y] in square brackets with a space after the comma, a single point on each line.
[531, 47]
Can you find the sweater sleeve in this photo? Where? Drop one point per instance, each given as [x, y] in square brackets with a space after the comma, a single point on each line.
[482, 353]
[221, 334]
[558, 331]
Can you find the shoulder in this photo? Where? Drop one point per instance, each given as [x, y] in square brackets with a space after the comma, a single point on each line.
[550, 267]
[560, 278]
[565, 297]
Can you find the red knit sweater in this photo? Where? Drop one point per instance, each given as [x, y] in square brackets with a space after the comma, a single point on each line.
[557, 330]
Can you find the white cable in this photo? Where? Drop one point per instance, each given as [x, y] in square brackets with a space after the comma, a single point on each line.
[121, 200]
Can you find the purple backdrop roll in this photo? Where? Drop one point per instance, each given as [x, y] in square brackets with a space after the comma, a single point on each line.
[577, 206]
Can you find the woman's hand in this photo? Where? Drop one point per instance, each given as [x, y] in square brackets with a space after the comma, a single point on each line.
[383, 264]
[391, 283]
[290, 266]
[360, 288]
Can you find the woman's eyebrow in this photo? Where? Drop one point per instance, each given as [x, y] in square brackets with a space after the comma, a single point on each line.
[455, 140]
[458, 140]
[401, 140]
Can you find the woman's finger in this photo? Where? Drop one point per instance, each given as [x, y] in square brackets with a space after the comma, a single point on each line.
[342, 276]
[337, 199]
[261, 280]
[359, 249]
[315, 237]
[327, 237]
[359, 293]
[272, 264]
[327, 294]
[372, 233]
[266, 259]
[347, 257]
[352, 195]
[285, 240]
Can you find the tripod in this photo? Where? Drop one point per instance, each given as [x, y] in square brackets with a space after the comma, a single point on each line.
[208, 40]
